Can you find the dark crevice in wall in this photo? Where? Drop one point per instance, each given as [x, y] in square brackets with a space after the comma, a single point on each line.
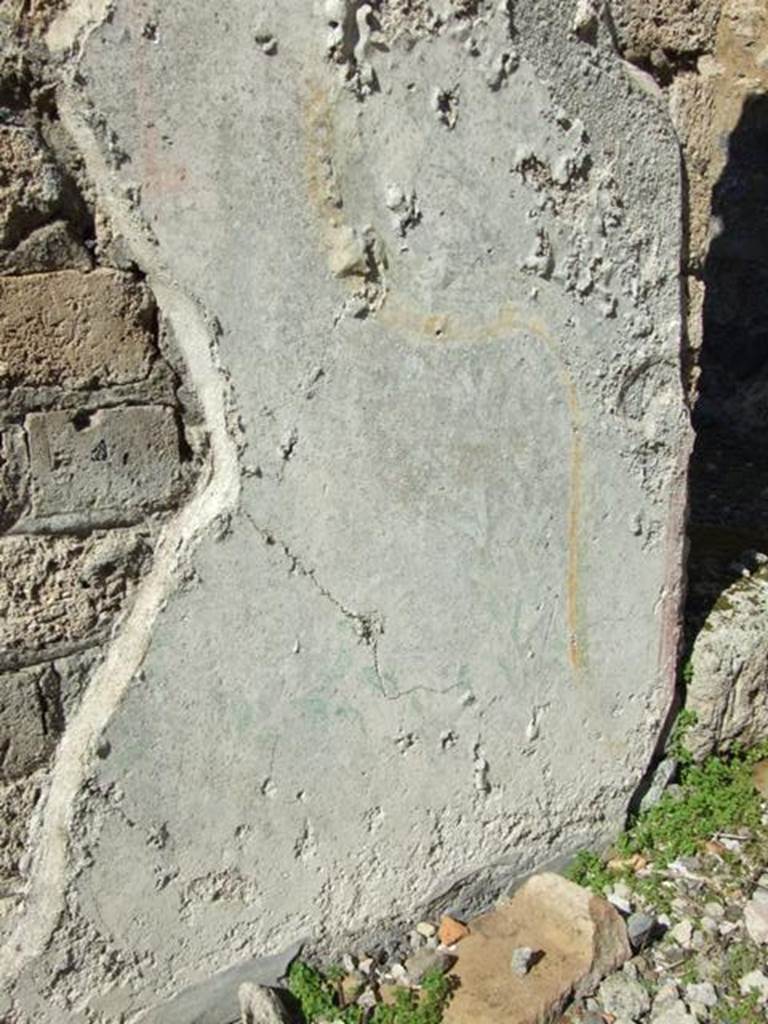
[728, 475]
[729, 468]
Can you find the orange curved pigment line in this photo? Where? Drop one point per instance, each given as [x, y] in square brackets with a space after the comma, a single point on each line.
[441, 328]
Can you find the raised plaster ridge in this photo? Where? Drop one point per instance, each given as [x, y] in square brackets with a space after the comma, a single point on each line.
[216, 494]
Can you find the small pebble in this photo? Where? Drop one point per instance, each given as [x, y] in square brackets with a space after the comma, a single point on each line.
[703, 993]
[622, 905]
[640, 928]
[398, 973]
[624, 997]
[673, 1012]
[521, 960]
[367, 1000]
[682, 933]
[426, 928]
[427, 960]
[451, 931]
[714, 910]
[755, 981]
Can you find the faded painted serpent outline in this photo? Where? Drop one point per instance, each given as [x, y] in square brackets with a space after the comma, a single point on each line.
[442, 328]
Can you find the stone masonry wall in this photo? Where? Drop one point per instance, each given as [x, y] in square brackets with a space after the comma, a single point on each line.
[95, 444]
[412, 271]
[347, 351]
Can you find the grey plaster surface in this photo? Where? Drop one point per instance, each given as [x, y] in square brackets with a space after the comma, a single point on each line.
[432, 638]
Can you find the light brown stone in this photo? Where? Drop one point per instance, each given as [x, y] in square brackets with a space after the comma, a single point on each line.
[650, 27]
[30, 184]
[451, 931]
[582, 939]
[58, 593]
[74, 330]
[760, 778]
[388, 994]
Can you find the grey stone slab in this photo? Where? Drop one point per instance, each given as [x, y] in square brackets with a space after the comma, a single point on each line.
[446, 272]
[215, 1000]
[107, 466]
[30, 720]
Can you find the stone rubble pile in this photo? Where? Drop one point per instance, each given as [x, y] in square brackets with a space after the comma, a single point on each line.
[555, 952]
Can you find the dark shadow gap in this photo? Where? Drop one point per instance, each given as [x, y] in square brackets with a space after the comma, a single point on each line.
[729, 468]
[728, 476]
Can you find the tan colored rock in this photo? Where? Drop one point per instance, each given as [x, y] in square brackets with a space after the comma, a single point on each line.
[351, 985]
[727, 38]
[388, 994]
[756, 921]
[760, 778]
[582, 939]
[30, 184]
[75, 330]
[60, 593]
[451, 931]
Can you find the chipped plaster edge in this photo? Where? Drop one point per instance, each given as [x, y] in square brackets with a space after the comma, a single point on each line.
[216, 495]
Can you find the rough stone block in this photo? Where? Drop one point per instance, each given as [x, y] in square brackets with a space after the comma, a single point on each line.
[18, 800]
[51, 247]
[30, 183]
[728, 689]
[578, 938]
[14, 467]
[111, 466]
[61, 593]
[30, 719]
[655, 28]
[75, 330]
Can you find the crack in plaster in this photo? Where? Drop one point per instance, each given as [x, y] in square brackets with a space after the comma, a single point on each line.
[216, 494]
[324, 194]
[368, 626]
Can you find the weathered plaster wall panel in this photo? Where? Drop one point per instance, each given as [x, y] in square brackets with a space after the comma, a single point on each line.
[442, 249]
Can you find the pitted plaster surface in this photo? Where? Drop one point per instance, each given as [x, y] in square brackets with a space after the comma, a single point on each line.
[433, 640]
